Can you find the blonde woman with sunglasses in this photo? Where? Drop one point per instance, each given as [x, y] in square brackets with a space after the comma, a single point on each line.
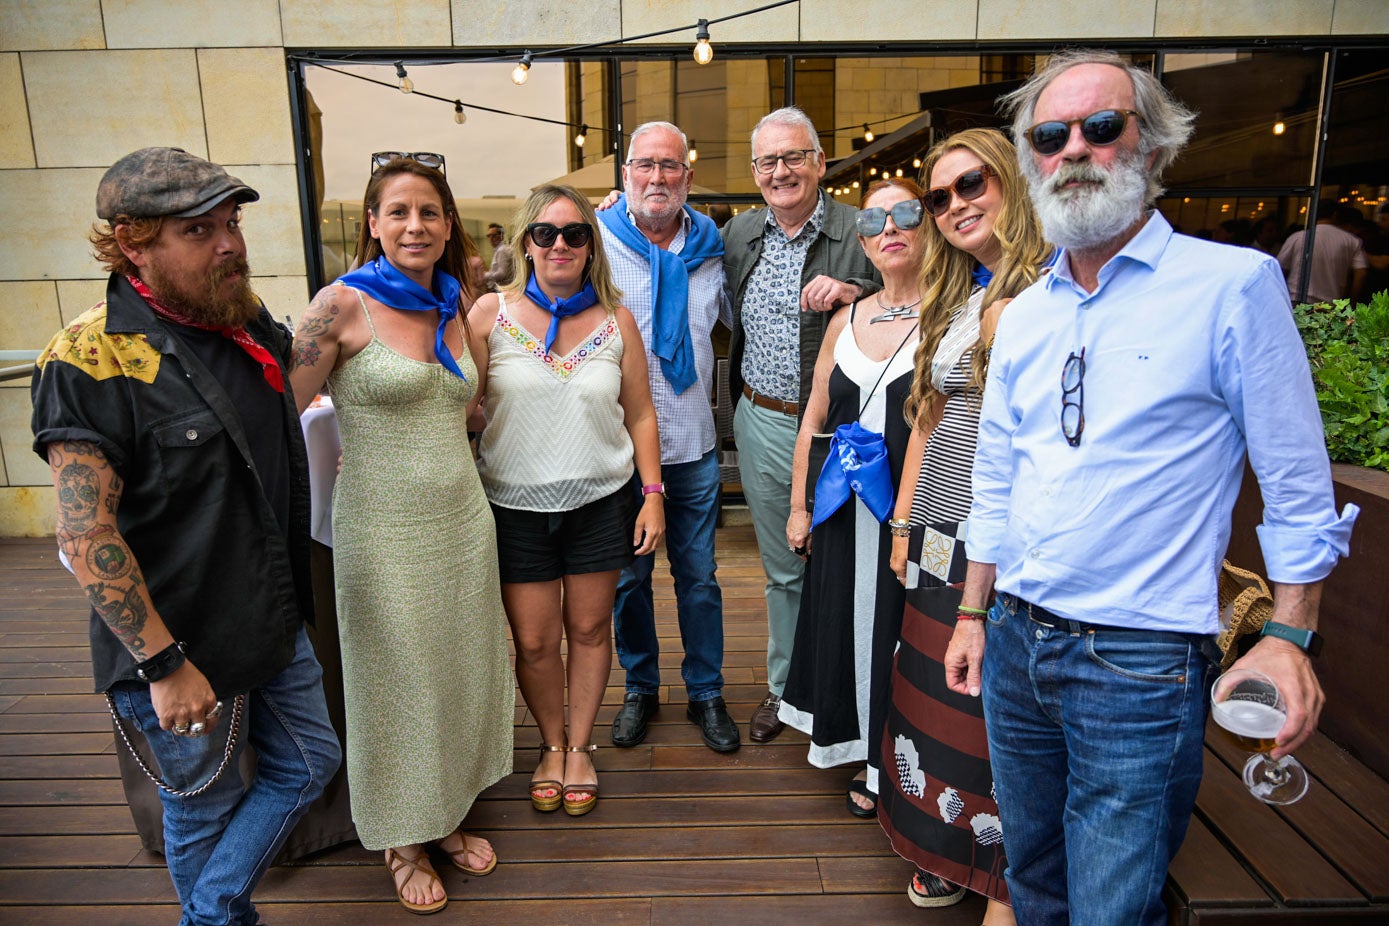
[981, 245]
[572, 466]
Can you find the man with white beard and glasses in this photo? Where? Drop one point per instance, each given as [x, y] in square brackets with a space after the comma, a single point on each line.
[1124, 391]
[182, 490]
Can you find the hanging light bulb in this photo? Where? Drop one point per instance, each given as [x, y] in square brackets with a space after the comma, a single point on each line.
[1279, 127]
[582, 136]
[406, 84]
[459, 115]
[854, 184]
[899, 171]
[703, 51]
[867, 133]
[521, 72]
[916, 163]
[694, 152]
[872, 171]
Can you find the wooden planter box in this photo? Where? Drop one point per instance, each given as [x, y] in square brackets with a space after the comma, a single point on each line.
[1354, 611]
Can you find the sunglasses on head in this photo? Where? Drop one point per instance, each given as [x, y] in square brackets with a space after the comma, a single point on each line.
[1100, 129]
[906, 215]
[575, 234]
[380, 159]
[969, 186]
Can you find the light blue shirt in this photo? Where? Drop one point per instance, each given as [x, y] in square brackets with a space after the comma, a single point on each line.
[685, 421]
[1191, 357]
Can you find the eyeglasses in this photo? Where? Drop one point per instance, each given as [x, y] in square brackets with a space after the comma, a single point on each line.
[792, 159]
[906, 215]
[645, 166]
[969, 186]
[575, 234]
[1100, 129]
[1073, 410]
[380, 159]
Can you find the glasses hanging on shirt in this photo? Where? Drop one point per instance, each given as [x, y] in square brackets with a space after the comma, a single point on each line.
[1073, 409]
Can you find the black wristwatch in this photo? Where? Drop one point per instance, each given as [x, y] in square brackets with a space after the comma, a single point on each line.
[163, 663]
[1309, 640]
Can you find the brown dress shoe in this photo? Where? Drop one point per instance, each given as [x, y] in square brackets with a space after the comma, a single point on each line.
[765, 722]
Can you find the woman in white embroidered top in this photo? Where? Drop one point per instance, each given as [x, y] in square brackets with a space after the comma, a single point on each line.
[569, 416]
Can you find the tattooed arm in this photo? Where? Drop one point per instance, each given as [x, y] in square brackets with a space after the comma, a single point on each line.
[89, 495]
[326, 335]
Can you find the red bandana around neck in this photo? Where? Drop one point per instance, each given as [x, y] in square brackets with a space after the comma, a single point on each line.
[273, 374]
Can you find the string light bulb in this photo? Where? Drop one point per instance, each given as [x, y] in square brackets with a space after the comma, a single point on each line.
[854, 184]
[521, 73]
[916, 163]
[582, 136]
[459, 115]
[867, 133]
[703, 51]
[694, 152]
[406, 84]
[899, 171]
[1279, 127]
[872, 171]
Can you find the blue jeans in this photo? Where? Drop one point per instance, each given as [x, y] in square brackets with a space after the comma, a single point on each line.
[1095, 737]
[692, 497]
[219, 843]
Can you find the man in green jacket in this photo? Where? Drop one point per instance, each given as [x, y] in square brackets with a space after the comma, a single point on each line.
[787, 266]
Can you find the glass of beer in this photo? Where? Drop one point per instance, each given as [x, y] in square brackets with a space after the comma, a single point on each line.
[1248, 706]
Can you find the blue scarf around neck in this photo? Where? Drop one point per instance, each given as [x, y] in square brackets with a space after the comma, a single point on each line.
[383, 282]
[670, 286]
[559, 308]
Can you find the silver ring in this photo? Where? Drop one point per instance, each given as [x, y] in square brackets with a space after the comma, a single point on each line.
[180, 729]
[197, 728]
[214, 713]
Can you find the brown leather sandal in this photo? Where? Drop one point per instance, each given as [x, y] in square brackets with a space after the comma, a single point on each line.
[541, 802]
[577, 808]
[395, 862]
[459, 858]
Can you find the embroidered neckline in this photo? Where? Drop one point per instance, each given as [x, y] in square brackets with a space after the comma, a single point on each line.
[566, 366]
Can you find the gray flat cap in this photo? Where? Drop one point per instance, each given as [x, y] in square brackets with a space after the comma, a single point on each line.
[166, 181]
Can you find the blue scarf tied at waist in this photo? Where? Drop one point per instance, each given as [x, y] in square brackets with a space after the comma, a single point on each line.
[857, 463]
[387, 285]
[670, 286]
[559, 308]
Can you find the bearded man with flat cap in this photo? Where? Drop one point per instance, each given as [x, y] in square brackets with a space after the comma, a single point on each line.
[183, 508]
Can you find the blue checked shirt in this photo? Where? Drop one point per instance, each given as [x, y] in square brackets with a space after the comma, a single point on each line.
[685, 421]
[1191, 358]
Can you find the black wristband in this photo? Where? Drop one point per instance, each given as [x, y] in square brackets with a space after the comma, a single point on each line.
[1309, 640]
[162, 664]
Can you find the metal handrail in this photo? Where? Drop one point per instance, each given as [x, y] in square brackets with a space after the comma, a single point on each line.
[19, 372]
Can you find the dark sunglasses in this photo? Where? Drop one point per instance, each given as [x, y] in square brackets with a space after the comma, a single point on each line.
[1073, 410]
[1101, 128]
[906, 215]
[575, 234]
[969, 186]
[380, 159]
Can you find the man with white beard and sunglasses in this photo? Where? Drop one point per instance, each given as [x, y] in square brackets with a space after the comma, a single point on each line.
[1125, 390]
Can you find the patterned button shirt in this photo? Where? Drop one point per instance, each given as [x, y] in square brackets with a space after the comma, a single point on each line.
[772, 309]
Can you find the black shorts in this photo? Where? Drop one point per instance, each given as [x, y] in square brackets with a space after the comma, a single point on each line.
[540, 546]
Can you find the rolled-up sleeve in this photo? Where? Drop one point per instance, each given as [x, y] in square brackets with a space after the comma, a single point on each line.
[993, 465]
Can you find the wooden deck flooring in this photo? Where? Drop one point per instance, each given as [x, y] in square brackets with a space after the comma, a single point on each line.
[682, 835]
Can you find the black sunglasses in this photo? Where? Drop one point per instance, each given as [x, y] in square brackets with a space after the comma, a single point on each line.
[1073, 410]
[575, 234]
[380, 159]
[969, 186]
[1100, 129]
[906, 215]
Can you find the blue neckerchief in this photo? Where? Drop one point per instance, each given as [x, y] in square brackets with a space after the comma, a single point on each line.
[857, 462]
[982, 275]
[670, 286]
[383, 282]
[559, 308]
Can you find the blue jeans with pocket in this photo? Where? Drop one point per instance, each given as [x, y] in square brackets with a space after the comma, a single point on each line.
[691, 507]
[1095, 734]
[219, 843]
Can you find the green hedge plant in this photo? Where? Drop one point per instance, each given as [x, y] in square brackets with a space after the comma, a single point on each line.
[1348, 347]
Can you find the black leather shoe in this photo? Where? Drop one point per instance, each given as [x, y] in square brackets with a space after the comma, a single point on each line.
[629, 726]
[719, 731]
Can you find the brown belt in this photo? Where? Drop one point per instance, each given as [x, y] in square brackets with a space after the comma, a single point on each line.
[776, 405]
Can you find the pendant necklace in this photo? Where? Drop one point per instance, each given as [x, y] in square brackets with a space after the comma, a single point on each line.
[893, 312]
